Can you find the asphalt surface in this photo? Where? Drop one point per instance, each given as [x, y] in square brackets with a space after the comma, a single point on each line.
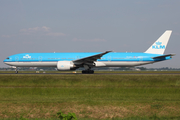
[94, 73]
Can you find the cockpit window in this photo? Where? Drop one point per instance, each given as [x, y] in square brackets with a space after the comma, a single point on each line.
[7, 58]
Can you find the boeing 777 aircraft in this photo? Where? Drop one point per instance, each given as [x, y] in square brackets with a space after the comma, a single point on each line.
[72, 61]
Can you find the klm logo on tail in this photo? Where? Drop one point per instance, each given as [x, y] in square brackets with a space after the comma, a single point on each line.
[158, 46]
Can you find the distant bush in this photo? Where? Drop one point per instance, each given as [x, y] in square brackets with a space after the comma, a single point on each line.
[69, 116]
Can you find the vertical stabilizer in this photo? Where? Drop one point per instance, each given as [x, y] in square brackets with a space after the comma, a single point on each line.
[160, 45]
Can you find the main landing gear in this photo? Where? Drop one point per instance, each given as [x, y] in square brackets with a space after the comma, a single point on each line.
[88, 72]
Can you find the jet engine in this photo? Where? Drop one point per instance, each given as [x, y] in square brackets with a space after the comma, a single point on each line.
[65, 65]
[99, 64]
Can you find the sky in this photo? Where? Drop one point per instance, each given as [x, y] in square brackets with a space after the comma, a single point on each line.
[35, 26]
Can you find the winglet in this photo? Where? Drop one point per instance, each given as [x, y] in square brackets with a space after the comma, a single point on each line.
[160, 45]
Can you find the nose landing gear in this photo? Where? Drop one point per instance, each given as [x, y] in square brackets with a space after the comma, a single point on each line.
[16, 70]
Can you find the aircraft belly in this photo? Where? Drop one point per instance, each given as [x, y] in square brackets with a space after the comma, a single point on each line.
[32, 64]
[124, 64]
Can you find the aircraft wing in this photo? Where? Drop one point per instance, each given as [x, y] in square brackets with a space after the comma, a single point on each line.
[90, 59]
[163, 56]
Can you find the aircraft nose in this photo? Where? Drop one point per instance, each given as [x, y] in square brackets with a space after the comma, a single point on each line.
[6, 60]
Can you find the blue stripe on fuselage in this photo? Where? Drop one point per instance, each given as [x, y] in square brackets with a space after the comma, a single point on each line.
[52, 57]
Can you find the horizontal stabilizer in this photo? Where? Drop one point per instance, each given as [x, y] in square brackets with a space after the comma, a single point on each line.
[163, 56]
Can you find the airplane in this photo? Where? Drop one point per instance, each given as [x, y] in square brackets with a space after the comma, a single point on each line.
[73, 61]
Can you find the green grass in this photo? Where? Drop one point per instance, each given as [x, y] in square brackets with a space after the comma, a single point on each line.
[79, 80]
[90, 96]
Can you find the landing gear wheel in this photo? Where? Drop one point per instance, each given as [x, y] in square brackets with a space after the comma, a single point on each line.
[88, 72]
[91, 71]
[16, 69]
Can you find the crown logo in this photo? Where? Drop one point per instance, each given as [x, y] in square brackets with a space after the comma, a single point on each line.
[158, 43]
[27, 56]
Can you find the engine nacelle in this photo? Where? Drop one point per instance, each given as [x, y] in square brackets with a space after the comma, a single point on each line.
[99, 64]
[65, 65]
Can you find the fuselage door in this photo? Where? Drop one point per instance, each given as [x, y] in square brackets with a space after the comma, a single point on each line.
[140, 59]
[78, 57]
[40, 58]
[16, 58]
[109, 58]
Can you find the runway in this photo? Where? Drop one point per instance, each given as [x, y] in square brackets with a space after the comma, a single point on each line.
[91, 74]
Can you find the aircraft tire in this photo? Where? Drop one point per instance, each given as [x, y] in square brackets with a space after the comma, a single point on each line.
[88, 72]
